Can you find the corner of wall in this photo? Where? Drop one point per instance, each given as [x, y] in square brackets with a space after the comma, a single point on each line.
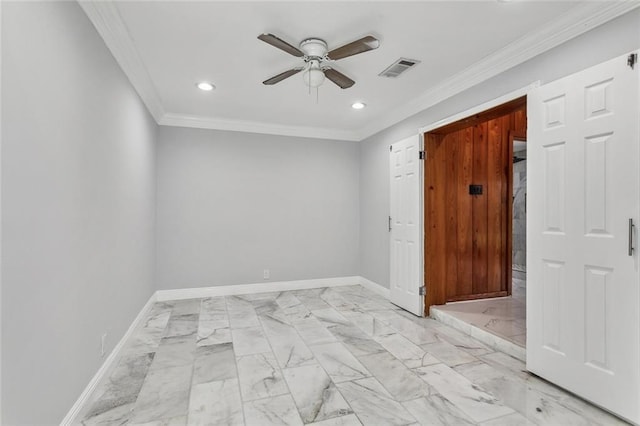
[375, 287]
[359, 245]
[72, 416]
[154, 261]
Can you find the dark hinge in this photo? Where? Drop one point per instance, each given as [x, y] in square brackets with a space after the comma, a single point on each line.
[632, 59]
[421, 291]
[422, 155]
[390, 147]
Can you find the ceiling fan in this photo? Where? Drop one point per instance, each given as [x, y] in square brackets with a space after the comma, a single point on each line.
[317, 59]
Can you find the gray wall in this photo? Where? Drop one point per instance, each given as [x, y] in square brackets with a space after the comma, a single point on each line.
[615, 38]
[232, 204]
[78, 207]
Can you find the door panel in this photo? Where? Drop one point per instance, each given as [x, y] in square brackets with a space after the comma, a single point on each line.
[496, 207]
[405, 221]
[583, 298]
[463, 244]
[480, 206]
[435, 242]
[452, 148]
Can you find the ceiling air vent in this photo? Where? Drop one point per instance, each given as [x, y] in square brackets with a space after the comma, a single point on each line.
[398, 67]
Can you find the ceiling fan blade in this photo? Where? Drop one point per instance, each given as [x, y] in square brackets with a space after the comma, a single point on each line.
[278, 78]
[365, 44]
[341, 80]
[281, 44]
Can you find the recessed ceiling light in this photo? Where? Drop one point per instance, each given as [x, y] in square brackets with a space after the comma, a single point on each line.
[206, 86]
[358, 105]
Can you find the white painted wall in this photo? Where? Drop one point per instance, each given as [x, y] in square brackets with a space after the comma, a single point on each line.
[78, 185]
[232, 204]
[608, 41]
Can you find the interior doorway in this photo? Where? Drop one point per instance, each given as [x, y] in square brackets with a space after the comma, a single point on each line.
[468, 205]
[519, 220]
[504, 317]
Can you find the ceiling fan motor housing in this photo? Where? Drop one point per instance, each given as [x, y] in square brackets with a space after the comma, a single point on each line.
[314, 48]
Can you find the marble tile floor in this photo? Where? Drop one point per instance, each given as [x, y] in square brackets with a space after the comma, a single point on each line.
[504, 317]
[324, 357]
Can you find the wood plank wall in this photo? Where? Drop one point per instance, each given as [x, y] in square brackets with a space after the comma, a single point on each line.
[468, 237]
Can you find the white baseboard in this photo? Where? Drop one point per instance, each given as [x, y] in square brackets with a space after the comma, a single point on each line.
[70, 418]
[264, 287]
[375, 287]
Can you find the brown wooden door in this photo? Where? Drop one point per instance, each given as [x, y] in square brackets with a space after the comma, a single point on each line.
[468, 244]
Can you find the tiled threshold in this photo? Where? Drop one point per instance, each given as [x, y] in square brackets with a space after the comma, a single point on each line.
[447, 315]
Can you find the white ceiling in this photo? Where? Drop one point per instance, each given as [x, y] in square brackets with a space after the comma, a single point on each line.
[166, 47]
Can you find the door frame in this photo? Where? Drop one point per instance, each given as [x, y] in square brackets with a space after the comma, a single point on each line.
[430, 291]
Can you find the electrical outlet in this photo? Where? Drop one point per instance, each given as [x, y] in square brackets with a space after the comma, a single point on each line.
[103, 344]
[265, 274]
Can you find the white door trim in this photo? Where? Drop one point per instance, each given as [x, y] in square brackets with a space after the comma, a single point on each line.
[481, 108]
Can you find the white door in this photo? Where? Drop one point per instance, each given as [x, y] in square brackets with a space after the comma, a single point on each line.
[404, 225]
[583, 298]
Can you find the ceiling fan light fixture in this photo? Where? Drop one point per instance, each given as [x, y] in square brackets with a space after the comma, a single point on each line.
[205, 86]
[358, 105]
[313, 76]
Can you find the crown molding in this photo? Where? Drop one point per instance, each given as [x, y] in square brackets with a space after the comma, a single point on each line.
[567, 26]
[201, 122]
[578, 20]
[107, 20]
[105, 17]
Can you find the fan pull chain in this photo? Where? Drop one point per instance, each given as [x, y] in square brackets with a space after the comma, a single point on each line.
[317, 94]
